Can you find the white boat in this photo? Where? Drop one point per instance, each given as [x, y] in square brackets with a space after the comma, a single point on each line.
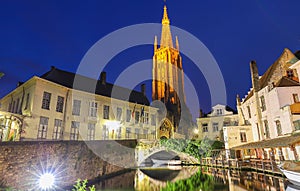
[166, 162]
[292, 171]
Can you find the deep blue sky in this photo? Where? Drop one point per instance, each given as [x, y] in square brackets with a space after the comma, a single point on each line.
[37, 34]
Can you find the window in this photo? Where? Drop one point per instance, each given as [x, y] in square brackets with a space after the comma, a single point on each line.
[137, 117]
[215, 127]
[76, 107]
[278, 127]
[295, 98]
[262, 103]
[243, 137]
[146, 118]
[57, 131]
[91, 131]
[290, 73]
[204, 127]
[60, 104]
[297, 125]
[267, 130]
[119, 114]
[10, 107]
[153, 119]
[128, 132]
[128, 115]
[119, 133]
[105, 112]
[145, 133]
[46, 100]
[42, 131]
[17, 106]
[93, 109]
[137, 133]
[74, 130]
[153, 134]
[105, 132]
[219, 111]
[27, 101]
[13, 106]
[249, 111]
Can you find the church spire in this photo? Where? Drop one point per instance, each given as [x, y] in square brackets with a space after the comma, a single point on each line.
[166, 36]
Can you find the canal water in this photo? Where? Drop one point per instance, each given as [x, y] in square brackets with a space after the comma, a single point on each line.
[193, 178]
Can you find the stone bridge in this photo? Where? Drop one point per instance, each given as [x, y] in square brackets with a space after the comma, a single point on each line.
[151, 149]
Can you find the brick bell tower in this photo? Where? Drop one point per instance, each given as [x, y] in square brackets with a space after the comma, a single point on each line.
[168, 81]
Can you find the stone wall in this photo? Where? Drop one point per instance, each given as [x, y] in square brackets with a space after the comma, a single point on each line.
[22, 163]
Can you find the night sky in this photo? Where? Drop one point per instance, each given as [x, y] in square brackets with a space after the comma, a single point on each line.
[36, 35]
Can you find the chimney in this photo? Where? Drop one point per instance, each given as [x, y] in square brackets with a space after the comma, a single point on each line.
[53, 68]
[254, 76]
[143, 89]
[103, 78]
[201, 114]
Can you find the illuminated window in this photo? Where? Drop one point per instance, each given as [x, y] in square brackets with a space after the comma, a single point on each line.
[46, 100]
[60, 104]
[93, 109]
[42, 131]
[57, 131]
[91, 131]
[76, 107]
[74, 130]
[290, 73]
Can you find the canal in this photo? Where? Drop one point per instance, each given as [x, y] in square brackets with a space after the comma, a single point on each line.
[193, 178]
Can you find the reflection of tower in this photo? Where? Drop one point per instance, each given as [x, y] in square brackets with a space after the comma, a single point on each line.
[168, 83]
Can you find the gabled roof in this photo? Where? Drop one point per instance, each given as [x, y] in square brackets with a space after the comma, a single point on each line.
[66, 79]
[264, 79]
[286, 82]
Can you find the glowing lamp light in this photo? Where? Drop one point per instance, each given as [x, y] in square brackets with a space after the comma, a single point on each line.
[196, 131]
[46, 181]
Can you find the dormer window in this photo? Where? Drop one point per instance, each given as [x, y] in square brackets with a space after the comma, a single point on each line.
[290, 73]
[219, 112]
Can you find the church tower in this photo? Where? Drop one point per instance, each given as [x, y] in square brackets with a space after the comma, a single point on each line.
[168, 83]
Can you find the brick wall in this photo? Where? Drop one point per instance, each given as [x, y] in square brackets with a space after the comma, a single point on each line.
[22, 162]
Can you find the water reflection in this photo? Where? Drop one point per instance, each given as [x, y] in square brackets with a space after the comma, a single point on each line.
[195, 178]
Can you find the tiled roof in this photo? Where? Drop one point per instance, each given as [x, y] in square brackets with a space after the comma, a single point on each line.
[272, 143]
[66, 79]
[264, 79]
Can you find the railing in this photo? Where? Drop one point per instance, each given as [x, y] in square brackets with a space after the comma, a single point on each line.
[268, 166]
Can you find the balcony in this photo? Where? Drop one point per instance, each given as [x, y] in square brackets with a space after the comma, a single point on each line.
[295, 108]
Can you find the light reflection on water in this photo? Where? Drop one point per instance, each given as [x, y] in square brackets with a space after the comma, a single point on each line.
[154, 179]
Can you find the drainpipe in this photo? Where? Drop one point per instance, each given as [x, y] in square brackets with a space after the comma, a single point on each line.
[256, 88]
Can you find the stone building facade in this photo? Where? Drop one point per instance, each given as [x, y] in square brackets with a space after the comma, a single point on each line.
[272, 105]
[52, 109]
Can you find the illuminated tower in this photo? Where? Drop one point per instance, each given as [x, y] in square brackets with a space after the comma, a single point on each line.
[168, 83]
